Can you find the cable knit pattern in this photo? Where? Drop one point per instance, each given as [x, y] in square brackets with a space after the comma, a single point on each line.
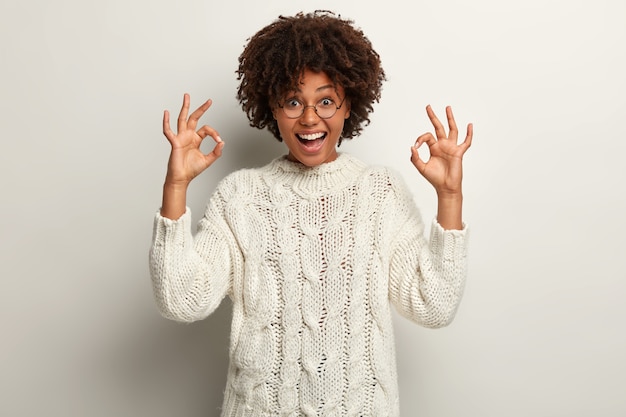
[312, 259]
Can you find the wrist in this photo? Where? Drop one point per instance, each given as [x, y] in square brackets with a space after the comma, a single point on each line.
[174, 200]
[450, 210]
[450, 195]
[176, 186]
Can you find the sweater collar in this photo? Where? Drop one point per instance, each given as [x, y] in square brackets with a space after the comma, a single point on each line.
[312, 181]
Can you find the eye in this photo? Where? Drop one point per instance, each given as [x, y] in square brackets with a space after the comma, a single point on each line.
[326, 103]
[292, 103]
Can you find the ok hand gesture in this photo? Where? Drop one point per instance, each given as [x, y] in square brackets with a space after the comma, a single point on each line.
[444, 169]
[186, 159]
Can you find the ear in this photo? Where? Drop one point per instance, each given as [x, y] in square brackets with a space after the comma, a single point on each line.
[348, 108]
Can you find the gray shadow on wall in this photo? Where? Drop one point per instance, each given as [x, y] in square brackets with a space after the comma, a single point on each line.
[249, 147]
[172, 369]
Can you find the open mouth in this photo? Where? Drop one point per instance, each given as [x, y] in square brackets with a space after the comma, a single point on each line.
[312, 142]
[311, 138]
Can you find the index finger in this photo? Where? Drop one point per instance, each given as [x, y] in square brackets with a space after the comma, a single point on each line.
[195, 116]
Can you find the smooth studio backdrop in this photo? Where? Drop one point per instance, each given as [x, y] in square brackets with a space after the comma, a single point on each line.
[83, 86]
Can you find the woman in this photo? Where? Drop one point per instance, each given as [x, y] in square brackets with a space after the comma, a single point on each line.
[314, 247]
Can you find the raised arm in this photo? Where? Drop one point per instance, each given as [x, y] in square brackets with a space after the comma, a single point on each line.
[186, 160]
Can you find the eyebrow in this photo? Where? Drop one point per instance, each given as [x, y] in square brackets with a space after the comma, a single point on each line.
[324, 87]
[318, 89]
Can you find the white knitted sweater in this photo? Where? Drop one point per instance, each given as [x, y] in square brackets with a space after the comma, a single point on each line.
[311, 258]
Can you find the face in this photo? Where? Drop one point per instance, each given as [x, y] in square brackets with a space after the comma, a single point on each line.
[310, 139]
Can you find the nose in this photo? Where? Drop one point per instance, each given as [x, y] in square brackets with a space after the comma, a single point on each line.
[309, 116]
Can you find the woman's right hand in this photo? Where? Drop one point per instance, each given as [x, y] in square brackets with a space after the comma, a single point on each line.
[186, 159]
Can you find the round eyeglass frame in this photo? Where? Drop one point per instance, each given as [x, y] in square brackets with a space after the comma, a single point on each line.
[314, 108]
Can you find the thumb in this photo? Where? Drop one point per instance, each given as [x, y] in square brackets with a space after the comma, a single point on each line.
[417, 161]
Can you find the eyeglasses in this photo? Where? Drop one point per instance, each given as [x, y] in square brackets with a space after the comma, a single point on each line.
[325, 108]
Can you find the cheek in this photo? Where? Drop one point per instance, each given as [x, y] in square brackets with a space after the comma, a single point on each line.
[284, 126]
[339, 124]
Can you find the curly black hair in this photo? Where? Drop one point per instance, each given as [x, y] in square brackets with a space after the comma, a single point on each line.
[275, 58]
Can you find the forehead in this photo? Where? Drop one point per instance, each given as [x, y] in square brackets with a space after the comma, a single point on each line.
[315, 82]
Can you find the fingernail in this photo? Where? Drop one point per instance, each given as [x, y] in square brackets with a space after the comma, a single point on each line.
[219, 139]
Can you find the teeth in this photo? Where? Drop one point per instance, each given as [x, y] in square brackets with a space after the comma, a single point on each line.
[312, 136]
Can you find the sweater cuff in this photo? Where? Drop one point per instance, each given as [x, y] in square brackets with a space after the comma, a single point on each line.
[167, 231]
[436, 224]
[452, 242]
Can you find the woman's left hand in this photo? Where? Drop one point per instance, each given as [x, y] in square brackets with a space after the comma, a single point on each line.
[444, 168]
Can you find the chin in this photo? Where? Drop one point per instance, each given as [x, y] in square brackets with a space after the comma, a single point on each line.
[313, 160]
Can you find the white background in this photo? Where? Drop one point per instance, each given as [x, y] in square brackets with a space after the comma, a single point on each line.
[83, 86]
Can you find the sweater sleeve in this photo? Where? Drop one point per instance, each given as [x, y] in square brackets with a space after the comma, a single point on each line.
[426, 277]
[190, 274]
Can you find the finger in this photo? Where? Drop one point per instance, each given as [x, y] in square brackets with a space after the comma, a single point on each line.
[417, 160]
[427, 138]
[468, 137]
[167, 130]
[197, 114]
[206, 130]
[182, 116]
[440, 131]
[454, 132]
[217, 151]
